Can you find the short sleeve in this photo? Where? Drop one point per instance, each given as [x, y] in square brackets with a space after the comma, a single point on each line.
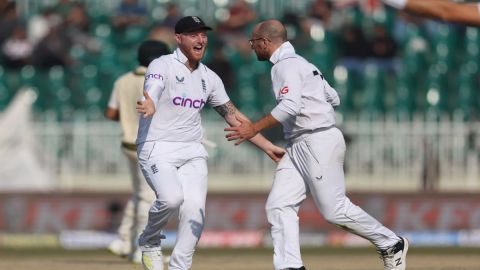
[113, 101]
[218, 96]
[155, 78]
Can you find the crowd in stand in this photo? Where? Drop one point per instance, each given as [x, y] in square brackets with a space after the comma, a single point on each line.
[350, 33]
[44, 40]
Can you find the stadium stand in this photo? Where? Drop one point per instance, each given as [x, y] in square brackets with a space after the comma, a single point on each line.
[370, 93]
[430, 73]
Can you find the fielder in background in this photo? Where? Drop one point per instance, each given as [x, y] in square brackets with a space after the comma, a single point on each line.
[446, 10]
[121, 107]
[315, 154]
[170, 152]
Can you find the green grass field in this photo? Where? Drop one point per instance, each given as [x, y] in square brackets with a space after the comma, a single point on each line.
[244, 259]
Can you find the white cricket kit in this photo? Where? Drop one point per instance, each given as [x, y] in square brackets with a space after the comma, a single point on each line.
[126, 90]
[180, 95]
[304, 98]
[170, 152]
[314, 160]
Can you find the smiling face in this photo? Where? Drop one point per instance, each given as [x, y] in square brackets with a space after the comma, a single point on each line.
[193, 45]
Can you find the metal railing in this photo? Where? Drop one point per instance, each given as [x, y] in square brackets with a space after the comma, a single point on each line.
[385, 155]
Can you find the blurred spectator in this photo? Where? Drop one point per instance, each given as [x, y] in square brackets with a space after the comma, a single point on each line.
[321, 12]
[9, 19]
[39, 25]
[292, 22]
[404, 24]
[130, 13]
[63, 7]
[298, 30]
[164, 34]
[77, 28]
[241, 16]
[78, 18]
[221, 65]
[164, 30]
[53, 49]
[354, 48]
[383, 48]
[17, 49]
[173, 15]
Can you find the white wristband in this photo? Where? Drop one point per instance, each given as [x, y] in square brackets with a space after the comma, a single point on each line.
[398, 4]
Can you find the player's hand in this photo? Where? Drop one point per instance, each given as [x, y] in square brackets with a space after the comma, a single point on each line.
[275, 153]
[241, 133]
[146, 107]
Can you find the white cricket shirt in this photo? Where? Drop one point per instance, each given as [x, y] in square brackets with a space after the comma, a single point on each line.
[305, 100]
[179, 95]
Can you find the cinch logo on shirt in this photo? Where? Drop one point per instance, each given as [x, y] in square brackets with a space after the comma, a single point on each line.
[189, 103]
[284, 90]
[153, 76]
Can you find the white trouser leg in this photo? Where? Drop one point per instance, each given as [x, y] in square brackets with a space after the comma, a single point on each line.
[177, 172]
[193, 177]
[288, 192]
[319, 159]
[136, 211]
[166, 184]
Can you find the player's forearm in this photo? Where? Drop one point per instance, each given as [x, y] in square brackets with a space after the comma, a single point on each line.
[262, 124]
[258, 140]
[440, 9]
[112, 114]
[433, 9]
[266, 122]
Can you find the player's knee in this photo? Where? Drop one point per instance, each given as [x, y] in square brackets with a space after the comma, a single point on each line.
[331, 217]
[273, 214]
[335, 216]
[170, 203]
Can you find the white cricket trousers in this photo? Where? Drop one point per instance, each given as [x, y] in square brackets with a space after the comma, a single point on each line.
[177, 173]
[314, 163]
[135, 214]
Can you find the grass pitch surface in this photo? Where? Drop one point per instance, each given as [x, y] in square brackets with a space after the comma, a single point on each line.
[244, 259]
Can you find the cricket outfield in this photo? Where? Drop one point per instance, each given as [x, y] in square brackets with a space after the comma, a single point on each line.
[245, 259]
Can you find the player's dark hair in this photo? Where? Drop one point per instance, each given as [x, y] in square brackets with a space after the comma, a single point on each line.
[150, 50]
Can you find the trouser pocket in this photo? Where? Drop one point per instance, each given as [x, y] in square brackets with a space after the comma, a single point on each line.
[306, 161]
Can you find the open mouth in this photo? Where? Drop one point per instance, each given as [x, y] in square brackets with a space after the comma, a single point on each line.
[198, 49]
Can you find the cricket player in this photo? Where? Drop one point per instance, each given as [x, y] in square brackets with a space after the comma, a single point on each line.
[170, 153]
[446, 10]
[127, 89]
[315, 154]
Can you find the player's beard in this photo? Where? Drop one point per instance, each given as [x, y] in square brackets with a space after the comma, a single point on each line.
[193, 55]
[262, 56]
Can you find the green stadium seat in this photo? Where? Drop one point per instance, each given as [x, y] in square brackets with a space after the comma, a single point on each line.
[467, 93]
[127, 58]
[472, 41]
[322, 53]
[27, 76]
[107, 58]
[4, 93]
[13, 81]
[130, 37]
[404, 96]
[445, 43]
[436, 98]
[374, 87]
[346, 84]
[61, 95]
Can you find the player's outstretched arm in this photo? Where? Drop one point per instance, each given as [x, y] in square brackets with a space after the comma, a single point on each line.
[146, 106]
[440, 9]
[237, 119]
[247, 130]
